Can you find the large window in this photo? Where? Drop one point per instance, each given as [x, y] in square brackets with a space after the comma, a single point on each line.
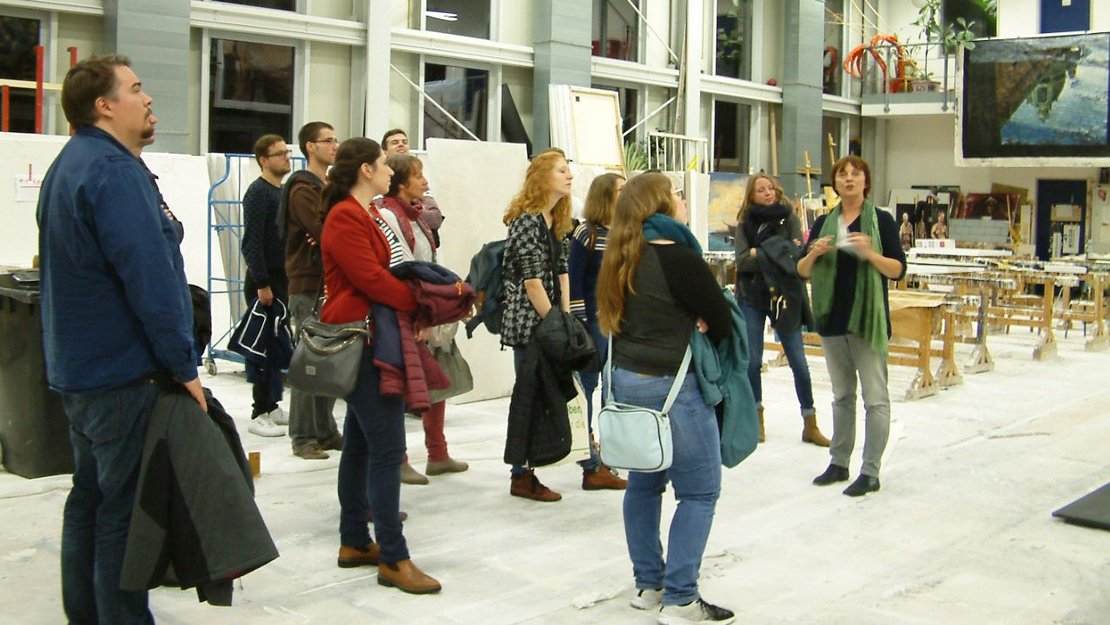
[461, 91]
[629, 102]
[18, 38]
[734, 27]
[831, 144]
[731, 136]
[467, 18]
[616, 29]
[834, 46]
[282, 5]
[251, 94]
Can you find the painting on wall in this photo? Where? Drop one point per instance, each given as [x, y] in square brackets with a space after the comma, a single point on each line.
[1044, 97]
[726, 190]
[999, 206]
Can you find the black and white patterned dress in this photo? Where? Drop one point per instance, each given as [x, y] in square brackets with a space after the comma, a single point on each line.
[531, 251]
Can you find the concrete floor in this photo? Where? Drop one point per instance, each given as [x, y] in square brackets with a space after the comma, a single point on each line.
[960, 533]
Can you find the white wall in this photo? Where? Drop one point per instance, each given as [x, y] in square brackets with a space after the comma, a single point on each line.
[517, 23]
[473, 202]
[920, 150]
[329, 73]
[769, 39]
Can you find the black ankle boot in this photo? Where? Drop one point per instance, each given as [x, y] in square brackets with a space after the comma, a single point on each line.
[834, 473]
[864, 484]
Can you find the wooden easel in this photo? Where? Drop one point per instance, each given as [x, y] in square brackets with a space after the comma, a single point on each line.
[808, 171]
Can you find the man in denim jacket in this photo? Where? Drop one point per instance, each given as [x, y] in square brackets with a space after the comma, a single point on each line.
[117, 318]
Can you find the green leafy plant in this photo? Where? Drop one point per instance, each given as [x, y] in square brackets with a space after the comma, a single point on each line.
[730, 42]
[635, 156]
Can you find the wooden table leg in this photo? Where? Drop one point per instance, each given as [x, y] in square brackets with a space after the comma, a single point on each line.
[1046, 348]
[924, 384]
[981, 356]
[948, 374]
[1099, 339]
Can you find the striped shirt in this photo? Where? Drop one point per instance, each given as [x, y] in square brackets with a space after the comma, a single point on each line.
[396, 249]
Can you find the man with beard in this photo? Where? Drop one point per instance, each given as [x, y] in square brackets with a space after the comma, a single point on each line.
[264, 251]
[117, 322]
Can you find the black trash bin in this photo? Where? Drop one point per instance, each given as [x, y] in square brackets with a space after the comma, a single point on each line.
[34, 430]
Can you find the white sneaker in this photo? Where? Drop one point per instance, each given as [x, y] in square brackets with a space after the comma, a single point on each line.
[279, 417]
[647, 599]
[263, 425]
[695, 613]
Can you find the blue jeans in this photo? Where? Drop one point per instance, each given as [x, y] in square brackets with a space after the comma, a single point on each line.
[792, 346]
[370, 466]
[695, 474]
[107, 430]
[589, 385]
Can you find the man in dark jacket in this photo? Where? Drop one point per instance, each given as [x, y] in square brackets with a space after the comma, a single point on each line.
[311, 424]
[116, 314]
[264, 251]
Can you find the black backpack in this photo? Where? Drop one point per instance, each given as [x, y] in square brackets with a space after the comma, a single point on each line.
[485, 279]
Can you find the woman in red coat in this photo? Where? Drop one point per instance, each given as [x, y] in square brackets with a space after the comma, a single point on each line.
[358, 249]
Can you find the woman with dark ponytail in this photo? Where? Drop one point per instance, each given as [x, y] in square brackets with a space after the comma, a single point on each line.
[358, 249]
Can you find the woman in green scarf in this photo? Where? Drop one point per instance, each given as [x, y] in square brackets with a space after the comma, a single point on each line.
[853, 316]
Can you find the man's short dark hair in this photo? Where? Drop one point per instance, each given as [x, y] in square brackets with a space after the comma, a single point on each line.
[93, 78]
[309, 132]
[263, 145]
[393, 131]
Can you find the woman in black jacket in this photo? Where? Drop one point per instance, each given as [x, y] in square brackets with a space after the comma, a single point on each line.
[767, 231]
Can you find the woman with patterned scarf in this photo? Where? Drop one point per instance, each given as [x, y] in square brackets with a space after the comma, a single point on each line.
[853, 316]
[769, 235]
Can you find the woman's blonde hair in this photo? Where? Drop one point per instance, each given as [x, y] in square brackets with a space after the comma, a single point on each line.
[601, 198]
[746, 204]
[535, 195]
[643, 196]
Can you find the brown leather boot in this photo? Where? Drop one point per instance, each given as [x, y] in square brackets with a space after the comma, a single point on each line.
[602, 478]
[812, 434]
[762, 431]
[404, 575]
[527, 485]
[350, 557]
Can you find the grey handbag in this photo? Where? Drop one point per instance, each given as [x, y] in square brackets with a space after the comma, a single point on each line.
[327, 357]
[635, 438]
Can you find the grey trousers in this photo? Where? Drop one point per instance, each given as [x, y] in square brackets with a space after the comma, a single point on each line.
[846, 357]
[310, 416]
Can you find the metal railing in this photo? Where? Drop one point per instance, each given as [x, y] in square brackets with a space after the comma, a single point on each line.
[671, 152]
[909, 69]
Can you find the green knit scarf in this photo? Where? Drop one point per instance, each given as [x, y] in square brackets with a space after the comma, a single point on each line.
[868, 318]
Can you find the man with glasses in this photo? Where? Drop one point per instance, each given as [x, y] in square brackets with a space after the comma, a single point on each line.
[264, 252]
[311, 424]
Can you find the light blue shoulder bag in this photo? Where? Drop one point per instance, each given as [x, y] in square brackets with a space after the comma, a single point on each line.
[635, 438]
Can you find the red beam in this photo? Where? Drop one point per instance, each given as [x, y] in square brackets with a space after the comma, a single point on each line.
[72, 55]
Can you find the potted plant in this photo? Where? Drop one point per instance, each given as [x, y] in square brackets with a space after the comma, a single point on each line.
[922, 81]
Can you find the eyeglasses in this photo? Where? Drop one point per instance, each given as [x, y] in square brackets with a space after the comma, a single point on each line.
[283, 153]
[328, 140]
